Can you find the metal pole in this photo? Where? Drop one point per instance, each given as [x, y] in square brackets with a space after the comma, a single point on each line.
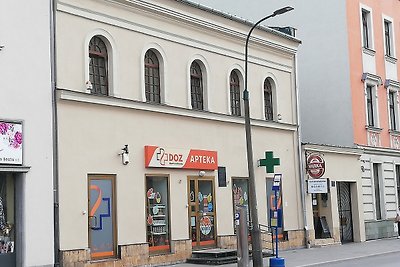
[276, 228]
[242, 234]
[255, 232]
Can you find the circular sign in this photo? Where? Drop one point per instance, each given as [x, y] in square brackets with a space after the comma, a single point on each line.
[205, 225]
[315, 166]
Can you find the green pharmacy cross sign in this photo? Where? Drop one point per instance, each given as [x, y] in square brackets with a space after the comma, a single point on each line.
[269, 162]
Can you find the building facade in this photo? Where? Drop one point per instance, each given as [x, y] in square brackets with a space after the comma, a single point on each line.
[351, 101]
[152, 151]
[26, 135]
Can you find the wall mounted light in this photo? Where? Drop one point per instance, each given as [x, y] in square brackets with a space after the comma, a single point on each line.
[125, 155]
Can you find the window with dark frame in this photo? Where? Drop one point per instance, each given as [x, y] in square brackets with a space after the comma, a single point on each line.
[152, 77]
[370, 106]
[392, 110]
[365, 24]
[377, 190]
[98, 66]
[398, 183]
[388, 38]
[196, 86]
[268, 100]
[235, 94]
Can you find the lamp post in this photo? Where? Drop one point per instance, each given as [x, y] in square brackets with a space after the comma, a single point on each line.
[255, 232]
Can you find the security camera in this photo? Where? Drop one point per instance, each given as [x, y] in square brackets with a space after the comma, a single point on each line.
[125, 158]
[202, 173]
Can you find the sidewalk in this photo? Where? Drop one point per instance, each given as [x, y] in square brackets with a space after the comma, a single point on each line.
[315, 256]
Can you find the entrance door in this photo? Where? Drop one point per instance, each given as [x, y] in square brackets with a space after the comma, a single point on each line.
[202, 211]
[345, 215]
[102, 237]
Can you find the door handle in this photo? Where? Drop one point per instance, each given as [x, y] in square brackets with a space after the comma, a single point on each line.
[93, 227]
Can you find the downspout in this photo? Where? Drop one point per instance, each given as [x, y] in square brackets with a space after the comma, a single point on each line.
[300, 155]
[53, 4]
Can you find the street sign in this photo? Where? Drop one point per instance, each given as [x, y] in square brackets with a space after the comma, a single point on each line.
[277, 182]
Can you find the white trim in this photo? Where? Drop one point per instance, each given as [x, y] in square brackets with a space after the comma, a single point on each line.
[111, 60]
[240, 72]
[205, 70]
[161, 56]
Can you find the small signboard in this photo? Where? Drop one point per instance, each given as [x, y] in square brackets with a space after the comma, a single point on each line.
[315, 186]
[11, 143]
[315, 165]
[277, 182]
[222, 176]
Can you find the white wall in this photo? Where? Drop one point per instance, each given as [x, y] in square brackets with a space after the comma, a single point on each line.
[26, 95]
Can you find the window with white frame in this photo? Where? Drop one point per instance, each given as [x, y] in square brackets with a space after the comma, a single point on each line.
[366, 28]
[398, 184]
[376, 167]
[393, 110]
[371, 105]
[388, 33]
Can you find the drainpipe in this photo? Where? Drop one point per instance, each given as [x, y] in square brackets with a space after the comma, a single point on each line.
[300, 155]
[53, 5]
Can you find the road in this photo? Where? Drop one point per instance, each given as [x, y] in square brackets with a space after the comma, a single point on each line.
[384, 260]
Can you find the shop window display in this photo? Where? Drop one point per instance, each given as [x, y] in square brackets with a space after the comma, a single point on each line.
[7, 233]
[157, 214]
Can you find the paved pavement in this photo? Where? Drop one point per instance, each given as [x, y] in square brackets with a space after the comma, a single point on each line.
[330, 254]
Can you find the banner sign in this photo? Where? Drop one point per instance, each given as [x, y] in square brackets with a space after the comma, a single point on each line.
[315, 186]
[162, 157]
[10, 143]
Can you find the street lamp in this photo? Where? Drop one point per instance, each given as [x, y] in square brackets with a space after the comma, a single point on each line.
[255, 232]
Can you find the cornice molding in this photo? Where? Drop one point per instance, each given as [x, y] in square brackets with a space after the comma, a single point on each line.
[70, 95]
[332, 149]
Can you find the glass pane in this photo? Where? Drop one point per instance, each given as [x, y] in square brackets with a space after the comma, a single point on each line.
[7, 223]
[101, 218]
[240, 190]
[157, 213]
[205, 197]
[207, 228]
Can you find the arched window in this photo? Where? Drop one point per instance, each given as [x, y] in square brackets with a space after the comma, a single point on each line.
[235, 94]
[268, 101]
[152, 77]
[196, 86]
[98, 66]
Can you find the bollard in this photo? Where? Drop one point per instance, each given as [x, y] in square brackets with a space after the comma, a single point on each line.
[241, 233]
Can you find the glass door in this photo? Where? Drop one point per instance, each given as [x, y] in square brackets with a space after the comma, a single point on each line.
[202, 212]
[102, 227]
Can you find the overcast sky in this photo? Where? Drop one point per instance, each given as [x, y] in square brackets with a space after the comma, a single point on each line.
[252, 10]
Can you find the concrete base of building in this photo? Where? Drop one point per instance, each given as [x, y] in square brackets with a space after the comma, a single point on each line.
[130, 255]
[138, 254]
[379, 229]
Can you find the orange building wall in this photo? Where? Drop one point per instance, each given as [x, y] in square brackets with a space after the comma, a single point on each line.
[389, 8]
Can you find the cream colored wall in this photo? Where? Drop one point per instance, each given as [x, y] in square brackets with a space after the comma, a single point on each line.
[93, 129]
[181, 43]
[342, 166]
[90, 136]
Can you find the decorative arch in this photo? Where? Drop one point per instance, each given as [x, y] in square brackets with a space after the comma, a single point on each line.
[111, 60]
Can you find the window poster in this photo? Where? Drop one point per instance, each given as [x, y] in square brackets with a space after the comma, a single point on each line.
[157, 218]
